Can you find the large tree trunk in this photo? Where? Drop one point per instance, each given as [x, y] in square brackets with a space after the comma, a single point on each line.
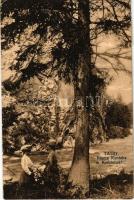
[79, 172]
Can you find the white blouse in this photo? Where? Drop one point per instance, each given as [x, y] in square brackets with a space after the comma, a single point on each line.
[26, 164]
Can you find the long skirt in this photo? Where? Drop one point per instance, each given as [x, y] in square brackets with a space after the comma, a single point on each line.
[25, 184]
[25, 179]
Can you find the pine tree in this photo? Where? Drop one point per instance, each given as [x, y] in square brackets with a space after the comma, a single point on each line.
[58, 38]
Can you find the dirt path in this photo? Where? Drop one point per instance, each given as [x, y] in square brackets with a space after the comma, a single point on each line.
[122, 147]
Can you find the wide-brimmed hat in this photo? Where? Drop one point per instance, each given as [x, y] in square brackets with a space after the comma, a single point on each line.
[26, 147]
[51, 143]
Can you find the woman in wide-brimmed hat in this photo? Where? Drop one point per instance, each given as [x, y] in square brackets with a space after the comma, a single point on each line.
[26, 177]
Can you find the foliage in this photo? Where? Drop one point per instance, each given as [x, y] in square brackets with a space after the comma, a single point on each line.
[30, 129]
[118, 132]
[35, 116]
[117, 185]
[45, 35]
[118, 114]
[55, 25]
[9, 115]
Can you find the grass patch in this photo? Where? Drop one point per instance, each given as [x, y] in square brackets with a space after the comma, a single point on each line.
[112, 186]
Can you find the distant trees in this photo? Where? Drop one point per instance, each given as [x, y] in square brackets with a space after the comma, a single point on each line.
[119, 114]
[30, 117]
[118, 119]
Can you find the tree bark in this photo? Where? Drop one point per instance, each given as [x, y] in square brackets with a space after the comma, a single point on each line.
[79, 172]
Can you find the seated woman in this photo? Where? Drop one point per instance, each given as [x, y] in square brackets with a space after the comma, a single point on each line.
[26, 178]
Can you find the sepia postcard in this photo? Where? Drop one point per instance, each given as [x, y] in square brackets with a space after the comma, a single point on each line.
[67, 99]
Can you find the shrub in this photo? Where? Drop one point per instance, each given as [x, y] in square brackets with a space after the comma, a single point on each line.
[119, 114]
[118, 132]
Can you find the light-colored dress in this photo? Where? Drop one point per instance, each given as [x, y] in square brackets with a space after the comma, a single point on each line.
[27, 169]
